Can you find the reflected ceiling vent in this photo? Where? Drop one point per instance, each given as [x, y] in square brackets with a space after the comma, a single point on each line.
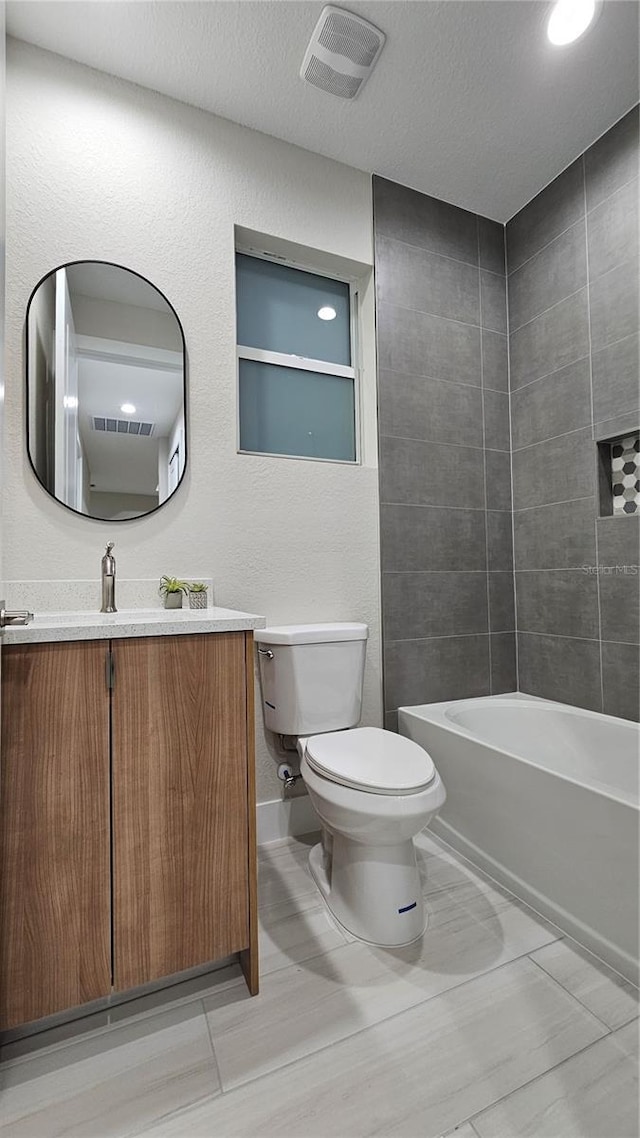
[342, 53]
[122, 426]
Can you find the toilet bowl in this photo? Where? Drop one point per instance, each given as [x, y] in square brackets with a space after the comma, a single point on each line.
[373, 792]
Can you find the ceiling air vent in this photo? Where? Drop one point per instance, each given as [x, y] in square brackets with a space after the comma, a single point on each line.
[342, 53]
[122, 426]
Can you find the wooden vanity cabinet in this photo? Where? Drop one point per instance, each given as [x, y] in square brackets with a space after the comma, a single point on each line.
[127, 816]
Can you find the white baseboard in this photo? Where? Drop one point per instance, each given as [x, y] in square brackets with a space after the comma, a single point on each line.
[279, 819]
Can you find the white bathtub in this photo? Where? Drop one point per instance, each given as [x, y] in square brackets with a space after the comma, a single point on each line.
[544, 798]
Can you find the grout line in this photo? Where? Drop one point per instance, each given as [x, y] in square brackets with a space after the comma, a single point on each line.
[550, 1070]
[570, 363]
[437, 442]
[538, 315]
[513, 500]
[213, 1047]
[432, 378]
[586, 1007]
[434, 316]
[428, 249]
[550, 374]
[595, 455]
[433, 506]
[622, 186]
[560, 502]
[614, 269]
[484, 463]
[561, 636]
[547, 243]
[438, 572]
[564, 435]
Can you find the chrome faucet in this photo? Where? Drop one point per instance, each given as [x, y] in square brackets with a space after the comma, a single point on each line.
[108, 565]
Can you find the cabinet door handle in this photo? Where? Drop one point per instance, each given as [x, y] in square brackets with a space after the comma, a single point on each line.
[110, 670]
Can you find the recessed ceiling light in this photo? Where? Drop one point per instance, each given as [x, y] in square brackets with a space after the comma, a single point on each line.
[128, 409]
[569, 20]
[327, 312]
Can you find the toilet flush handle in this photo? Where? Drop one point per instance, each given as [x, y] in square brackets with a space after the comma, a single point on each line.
[265, 652]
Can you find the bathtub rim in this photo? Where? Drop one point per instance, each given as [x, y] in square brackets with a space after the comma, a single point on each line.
[439, 718]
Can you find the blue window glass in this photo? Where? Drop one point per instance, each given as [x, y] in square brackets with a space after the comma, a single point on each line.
[285, 410]
[277, 310]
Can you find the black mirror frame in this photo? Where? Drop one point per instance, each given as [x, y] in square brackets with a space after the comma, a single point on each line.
[79, 513]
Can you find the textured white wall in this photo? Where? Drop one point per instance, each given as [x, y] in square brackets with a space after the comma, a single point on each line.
[101, 168]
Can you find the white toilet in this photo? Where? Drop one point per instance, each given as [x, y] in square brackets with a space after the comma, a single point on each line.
[373, 790]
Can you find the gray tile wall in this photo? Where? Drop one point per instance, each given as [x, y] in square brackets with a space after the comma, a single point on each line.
[447, 560]
[572, 260]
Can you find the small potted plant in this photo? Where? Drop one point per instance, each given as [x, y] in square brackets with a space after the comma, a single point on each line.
[172, 589]
[197, 595]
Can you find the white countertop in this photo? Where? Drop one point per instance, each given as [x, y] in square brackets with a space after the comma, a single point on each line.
[52, 626]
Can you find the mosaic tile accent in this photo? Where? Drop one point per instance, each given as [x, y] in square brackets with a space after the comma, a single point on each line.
[625, 475]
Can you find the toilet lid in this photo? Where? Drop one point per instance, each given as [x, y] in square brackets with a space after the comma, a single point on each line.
[368, 758]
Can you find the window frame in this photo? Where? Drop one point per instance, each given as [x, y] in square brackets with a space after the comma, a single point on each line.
[306, 363]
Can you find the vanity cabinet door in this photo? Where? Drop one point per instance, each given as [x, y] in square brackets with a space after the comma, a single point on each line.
[180, 815]
[55, 934]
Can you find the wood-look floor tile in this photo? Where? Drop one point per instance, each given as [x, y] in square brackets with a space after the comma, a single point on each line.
[592, 1095]
[602, 991]
[283, 873]
[291, 931]
[114, 1084]
[420, 1073]
[302, 1009]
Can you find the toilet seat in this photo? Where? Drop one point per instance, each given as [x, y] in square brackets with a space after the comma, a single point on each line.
[370, 759]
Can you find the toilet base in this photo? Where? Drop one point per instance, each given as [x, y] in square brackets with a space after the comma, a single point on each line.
[374, 892]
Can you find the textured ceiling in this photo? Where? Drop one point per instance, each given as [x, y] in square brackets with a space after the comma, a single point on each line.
[469, 102]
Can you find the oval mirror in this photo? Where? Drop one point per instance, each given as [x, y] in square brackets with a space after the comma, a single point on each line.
[106, 399]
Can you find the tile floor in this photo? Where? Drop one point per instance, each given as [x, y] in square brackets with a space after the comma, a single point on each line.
[494, 1026]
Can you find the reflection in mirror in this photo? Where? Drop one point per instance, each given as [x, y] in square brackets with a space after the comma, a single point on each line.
[106, 391]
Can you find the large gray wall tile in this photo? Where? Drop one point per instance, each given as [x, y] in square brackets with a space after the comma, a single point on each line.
[613, 230]
[553, 274]
[429, 474]
[497, 432]
[619, 540]
[498, 474]
[556, 667]
[418, 279]
[419, 605]
[425, 221]
[614, 305]
[431, 538]
[493, 292]
[616, 378]
[556, 537]
[553, 210]
[559, 601]
[491, 245]
[613, 159]
[619, 587]
[420, 344]
[426, 671]
[554, 471]
[501, 602]
[503, 663]
[559, 403]
[417, 407]
[621, 680]
[552, 340]
[499, 540]
[495, 361]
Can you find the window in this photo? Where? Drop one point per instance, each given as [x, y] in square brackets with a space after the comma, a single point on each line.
[297, 383]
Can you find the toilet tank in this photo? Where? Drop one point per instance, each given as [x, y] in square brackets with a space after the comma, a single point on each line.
[311, 676]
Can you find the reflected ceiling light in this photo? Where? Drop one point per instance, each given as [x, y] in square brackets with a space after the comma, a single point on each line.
[70, 402]
[128, 409]
[569, 20]
[327, 312]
